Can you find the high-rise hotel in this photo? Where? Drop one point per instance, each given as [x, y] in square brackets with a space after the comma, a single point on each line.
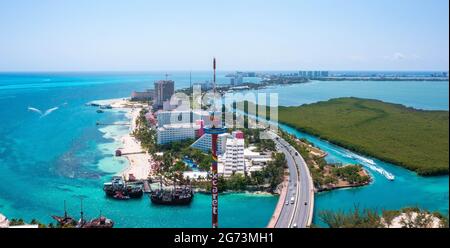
[164, 89]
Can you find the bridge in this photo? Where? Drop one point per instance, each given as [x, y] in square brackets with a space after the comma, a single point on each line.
[298, 206]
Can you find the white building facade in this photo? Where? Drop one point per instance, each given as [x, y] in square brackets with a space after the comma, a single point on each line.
[175, 132]
[204, 143]
[233, 158]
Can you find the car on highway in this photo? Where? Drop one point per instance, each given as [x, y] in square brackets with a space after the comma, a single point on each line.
[295, 225]
[292, 200]
[287, 202]
[306, 203]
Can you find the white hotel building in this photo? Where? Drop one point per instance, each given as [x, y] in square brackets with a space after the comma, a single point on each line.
[179, 125]
[204, 143]
[177, 117]
[233, 160]
[175, 132]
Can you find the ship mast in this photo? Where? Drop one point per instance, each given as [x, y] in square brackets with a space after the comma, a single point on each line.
[81, 210]
[65, 210]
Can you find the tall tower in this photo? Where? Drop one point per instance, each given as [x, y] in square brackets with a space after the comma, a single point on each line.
[214, 130]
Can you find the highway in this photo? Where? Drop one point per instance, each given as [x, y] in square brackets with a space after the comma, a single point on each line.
[299, 212]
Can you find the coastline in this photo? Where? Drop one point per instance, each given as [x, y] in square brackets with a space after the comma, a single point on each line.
[139, 161]
[385, 112]
[359, 152]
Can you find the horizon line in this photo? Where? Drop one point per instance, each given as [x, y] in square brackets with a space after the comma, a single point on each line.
[206, 70]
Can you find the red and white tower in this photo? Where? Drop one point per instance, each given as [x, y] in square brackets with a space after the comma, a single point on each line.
[214, 130]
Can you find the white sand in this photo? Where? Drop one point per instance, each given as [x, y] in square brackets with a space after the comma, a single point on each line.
[139, 161]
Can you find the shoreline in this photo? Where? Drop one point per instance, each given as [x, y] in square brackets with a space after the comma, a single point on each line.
[139, 161]
[362, 153]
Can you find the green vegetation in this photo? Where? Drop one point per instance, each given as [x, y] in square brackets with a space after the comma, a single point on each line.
[271, 176]
[273, 173]
[355, 218]
[350, 174]
[415, 139]
[252, 136]
[172, 166]
[19, 222]
[368, 218]
[327, 176]
[144, 133]
[203, 160]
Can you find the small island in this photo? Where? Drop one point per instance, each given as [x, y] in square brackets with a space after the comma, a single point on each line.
[328, 176]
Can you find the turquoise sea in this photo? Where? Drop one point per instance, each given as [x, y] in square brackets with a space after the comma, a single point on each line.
[64, 156]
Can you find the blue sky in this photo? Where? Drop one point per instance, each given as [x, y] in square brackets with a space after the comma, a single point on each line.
[112, 35]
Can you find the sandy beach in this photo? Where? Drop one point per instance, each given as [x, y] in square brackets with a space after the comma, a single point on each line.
[139, 160]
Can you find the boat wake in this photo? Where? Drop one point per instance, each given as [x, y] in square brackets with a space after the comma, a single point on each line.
[369, 163]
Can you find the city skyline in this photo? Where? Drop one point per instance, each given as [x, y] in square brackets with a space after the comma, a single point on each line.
[177, 36]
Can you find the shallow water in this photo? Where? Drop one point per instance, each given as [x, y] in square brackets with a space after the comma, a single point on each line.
[65, 156]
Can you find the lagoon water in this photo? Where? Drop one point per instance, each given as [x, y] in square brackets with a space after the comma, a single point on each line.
[65, 156]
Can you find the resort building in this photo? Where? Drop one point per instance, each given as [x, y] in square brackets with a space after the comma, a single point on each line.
[197, 175]
[205, 117]
[164, 89]
[147, 95]
[175, 132]
[251, 162]
[233, 158]
[204, 143]
[178, 117]
[173, 117]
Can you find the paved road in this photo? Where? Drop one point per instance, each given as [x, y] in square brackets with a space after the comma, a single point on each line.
[298, 213]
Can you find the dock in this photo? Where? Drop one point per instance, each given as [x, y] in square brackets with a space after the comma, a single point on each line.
[112, 124]
[147, 188]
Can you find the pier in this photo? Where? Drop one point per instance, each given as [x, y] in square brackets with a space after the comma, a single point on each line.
[147, 188]
[112, 124]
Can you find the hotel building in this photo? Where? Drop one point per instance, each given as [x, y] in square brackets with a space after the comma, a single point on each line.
[164, 89]
[175, 132]
[233, 160]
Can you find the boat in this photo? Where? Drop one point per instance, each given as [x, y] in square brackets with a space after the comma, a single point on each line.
[99, 111]
[119, 189]
[179, 196]
[92, 104]
[120, 196]
[81, 222]
[105, 106]
[100, 222]
[65, 220]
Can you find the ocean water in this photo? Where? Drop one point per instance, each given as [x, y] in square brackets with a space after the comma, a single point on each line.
[420, 95]
[406, 190]
[65, 156]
